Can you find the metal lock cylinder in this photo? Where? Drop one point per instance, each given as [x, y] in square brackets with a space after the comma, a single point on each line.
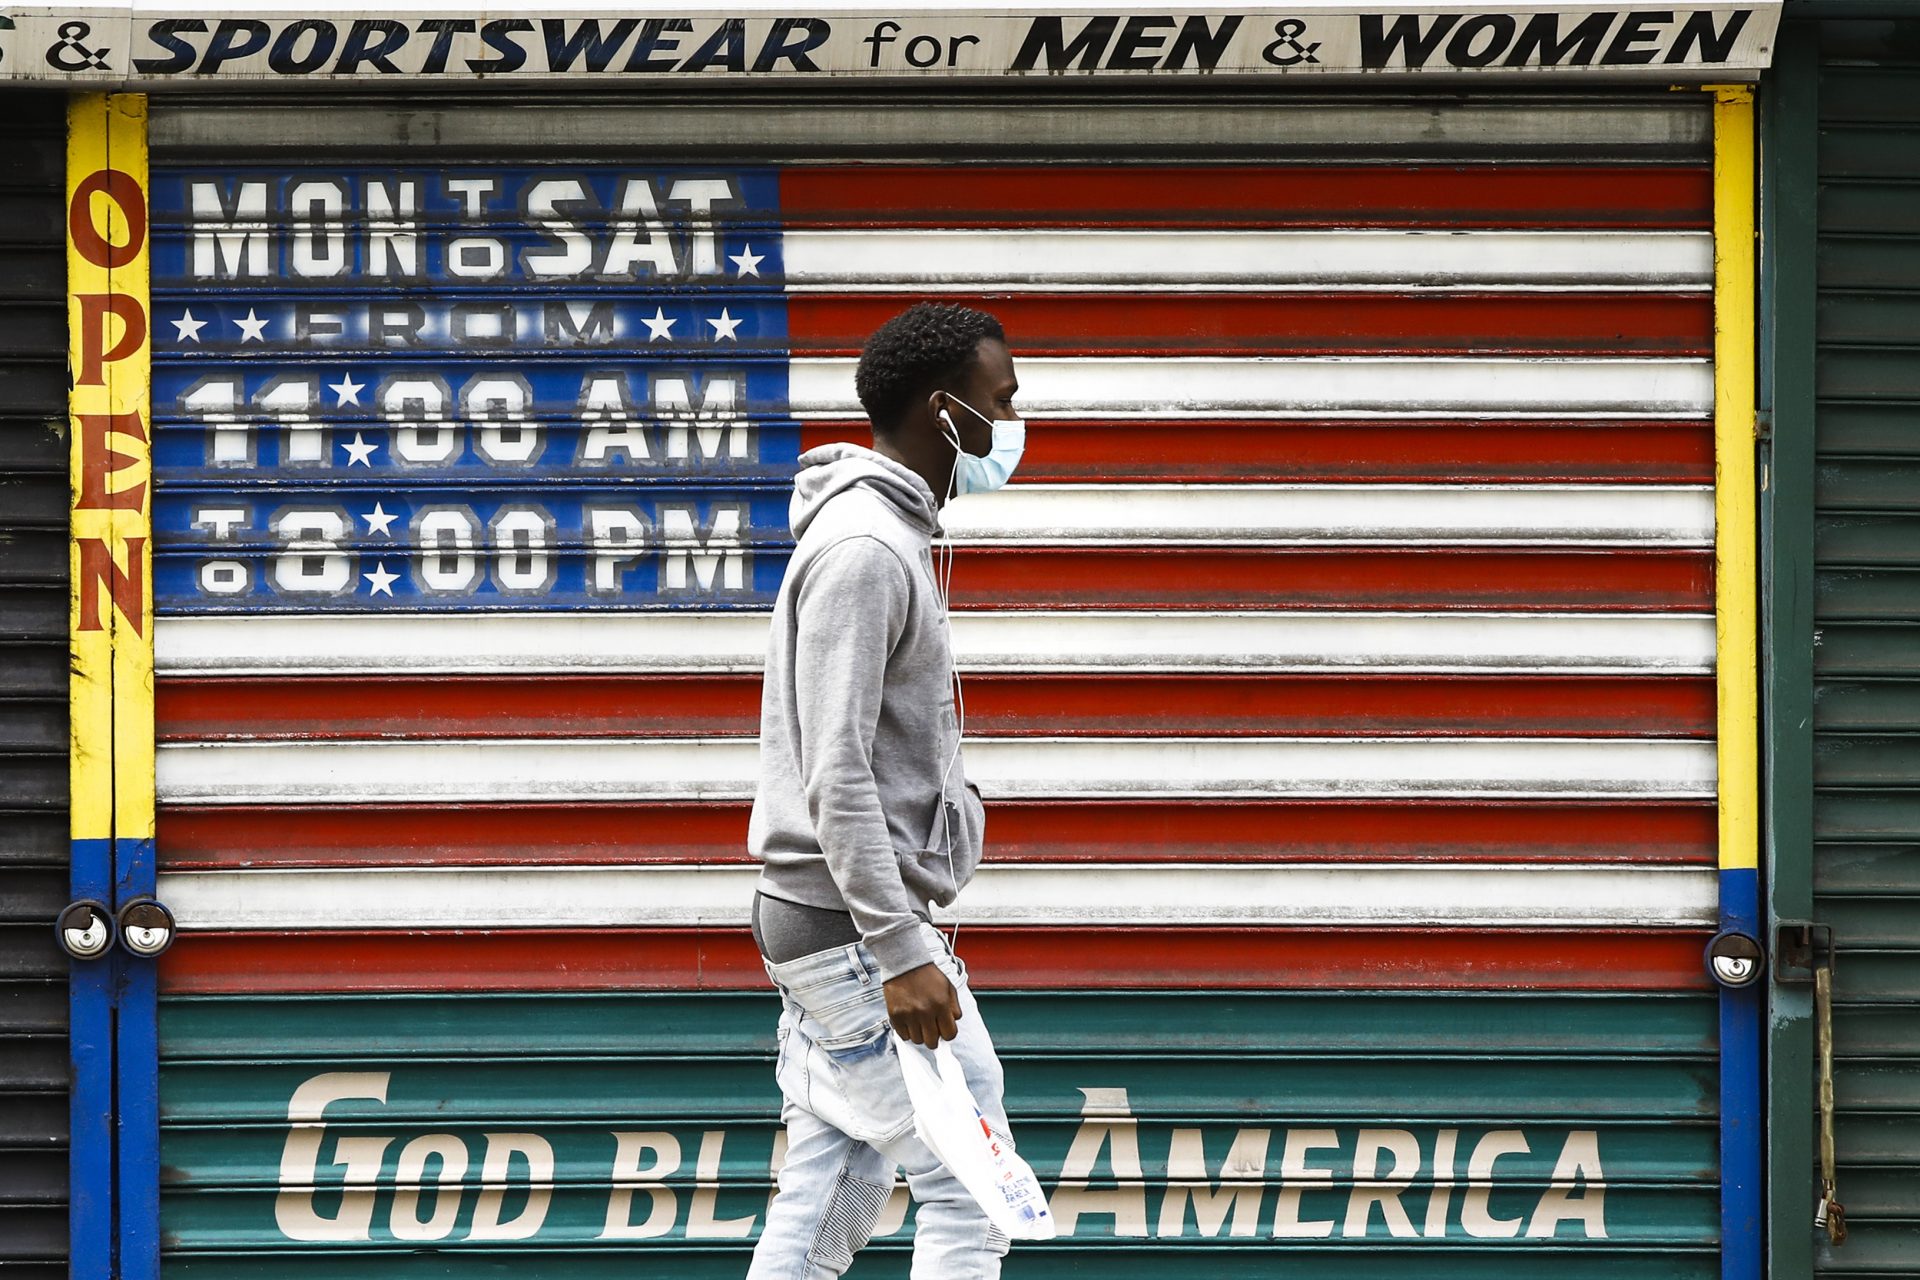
[1735, 959]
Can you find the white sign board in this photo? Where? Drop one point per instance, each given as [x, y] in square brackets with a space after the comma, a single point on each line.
[145, 45]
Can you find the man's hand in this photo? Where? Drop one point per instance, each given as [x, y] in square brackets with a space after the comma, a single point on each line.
[923, 1006]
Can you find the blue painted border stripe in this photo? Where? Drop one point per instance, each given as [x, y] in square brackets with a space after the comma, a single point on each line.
[90, 1049]
[1742, 1094]
[137, 1070]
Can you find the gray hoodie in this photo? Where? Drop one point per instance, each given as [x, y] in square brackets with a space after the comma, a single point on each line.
[857, 719]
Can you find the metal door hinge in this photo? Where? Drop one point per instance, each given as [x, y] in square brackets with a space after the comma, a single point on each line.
[1763, 424]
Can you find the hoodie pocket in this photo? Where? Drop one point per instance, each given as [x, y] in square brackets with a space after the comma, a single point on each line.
[934, 874]
[927, 877]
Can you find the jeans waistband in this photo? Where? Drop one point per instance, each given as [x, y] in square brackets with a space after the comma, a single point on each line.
[836, 964]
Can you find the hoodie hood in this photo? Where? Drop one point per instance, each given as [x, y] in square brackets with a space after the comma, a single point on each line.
[832, 469]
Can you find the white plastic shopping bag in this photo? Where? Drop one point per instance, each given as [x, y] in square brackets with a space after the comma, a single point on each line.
[948, 1120]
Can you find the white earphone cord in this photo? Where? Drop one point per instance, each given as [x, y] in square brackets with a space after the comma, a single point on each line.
[943, 585]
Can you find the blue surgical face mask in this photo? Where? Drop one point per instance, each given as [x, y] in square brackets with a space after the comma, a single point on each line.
[984, 475]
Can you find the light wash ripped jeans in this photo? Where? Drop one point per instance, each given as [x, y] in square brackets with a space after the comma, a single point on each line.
[850, 1124]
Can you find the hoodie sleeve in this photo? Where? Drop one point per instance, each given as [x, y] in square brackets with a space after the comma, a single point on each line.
[850, 612]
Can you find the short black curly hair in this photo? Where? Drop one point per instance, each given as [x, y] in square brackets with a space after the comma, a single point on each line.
[924, 345]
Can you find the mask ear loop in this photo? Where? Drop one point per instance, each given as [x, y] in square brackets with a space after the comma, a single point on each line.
[943, 586]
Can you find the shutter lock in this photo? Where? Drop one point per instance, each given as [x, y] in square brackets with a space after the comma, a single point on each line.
[1735, 959]
[85, 929]
[146, 927]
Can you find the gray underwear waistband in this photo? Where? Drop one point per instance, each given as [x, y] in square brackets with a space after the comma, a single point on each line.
[788, 930]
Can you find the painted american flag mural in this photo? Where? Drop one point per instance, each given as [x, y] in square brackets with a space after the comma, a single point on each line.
[1346, 629]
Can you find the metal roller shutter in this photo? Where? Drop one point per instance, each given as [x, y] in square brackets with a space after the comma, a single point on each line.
[1866, 660]
[1342, 659]
[33, 688]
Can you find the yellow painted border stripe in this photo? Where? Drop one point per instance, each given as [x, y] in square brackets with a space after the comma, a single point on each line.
[110, 548]
[132, 383]
[1735, 550]
[90, 684]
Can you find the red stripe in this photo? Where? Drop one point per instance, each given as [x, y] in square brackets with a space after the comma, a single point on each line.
[229, 837]
[1293, 323]
[997, 705]
[1443, 577]
[1408, 578]
[457, 707]
[1678, 452]
[1003, 958]
[1468, 195]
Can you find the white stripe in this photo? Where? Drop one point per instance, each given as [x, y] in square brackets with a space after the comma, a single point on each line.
[458, 770]
[1083, 259]
[1579, 129]
[1448, 894]
[1117, 641]
[1532, 515]
[1304, 514]
[1342, 386]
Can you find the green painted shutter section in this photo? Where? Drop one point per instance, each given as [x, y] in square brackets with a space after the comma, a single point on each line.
[1866, 763]
[1162, 1103]
[33, 688]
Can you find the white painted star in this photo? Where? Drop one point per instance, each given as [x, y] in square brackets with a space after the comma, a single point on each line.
[661, 326]
[747, 263]
[251, 327]
[380, 582]
[359, 451]
[347, 389]
[378, 519]
[187, 328]
[724, 326]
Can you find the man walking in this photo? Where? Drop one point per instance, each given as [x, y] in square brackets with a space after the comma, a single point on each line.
[864, 818]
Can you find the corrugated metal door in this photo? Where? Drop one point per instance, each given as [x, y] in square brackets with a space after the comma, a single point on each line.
[1342, 660]
[33, 689]
[1866, 659]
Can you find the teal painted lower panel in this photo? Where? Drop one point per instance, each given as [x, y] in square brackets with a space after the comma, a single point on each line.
[1348, 1135]
[392, 1137]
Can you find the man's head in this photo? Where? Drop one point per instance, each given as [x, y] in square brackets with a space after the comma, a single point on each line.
[935, 358]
